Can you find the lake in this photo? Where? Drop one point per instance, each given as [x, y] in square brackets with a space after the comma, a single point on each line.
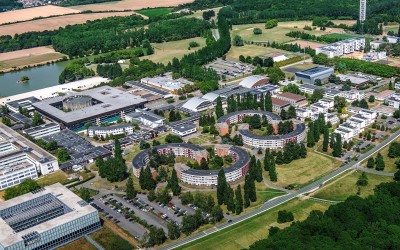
[40, 77]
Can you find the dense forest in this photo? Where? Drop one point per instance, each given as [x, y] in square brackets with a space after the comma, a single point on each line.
[356, 223]
[9, 5]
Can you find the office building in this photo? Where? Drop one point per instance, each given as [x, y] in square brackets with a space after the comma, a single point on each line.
[22, 159]
[145, 118]
[25, 103]
[42, 130]
[310, 75]
[45, 219]
[119, 129]
[102, 105]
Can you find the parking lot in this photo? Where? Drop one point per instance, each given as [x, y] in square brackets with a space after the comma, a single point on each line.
[230, 69]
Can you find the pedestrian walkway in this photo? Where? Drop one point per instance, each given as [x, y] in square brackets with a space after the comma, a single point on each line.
[94, 243]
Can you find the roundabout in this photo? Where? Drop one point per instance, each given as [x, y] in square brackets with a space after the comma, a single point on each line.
[298, 134]
[197, 177]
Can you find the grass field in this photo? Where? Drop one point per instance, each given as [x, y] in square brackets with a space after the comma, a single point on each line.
[81, 243]
[243, 234]
[165, 52]
[110, 240]
[199, 14]
[57, 176]
[155, 12]
[30, 60]
[251, 50]
[303, 171]
[341, 36]
[345, 186]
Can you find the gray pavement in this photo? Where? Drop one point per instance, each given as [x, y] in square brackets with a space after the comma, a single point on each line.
[285, 198]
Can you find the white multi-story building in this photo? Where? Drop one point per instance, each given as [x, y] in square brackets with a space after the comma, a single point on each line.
[145, 118]
[333, 119]
[327, 103]
[42, 130]
[184, 129]
[45, 219]
[21, 159]
[397, 85]
[342, 47]
[118, 129]
[394, 101]
[353, 95]
[356, 124]
[303, 113]
[317, 108]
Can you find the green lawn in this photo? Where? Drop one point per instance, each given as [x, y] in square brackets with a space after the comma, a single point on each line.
[345, 186]
[110, 240]
[243, 234]
[81, 243]
[155, 12]
[57, 176]
[390, 166]
[341, 36]
[303, 171]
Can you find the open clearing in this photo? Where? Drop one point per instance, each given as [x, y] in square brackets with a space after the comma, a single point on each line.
[243, 234]
[155, 12]
[28, 57]
[344, 186]
[252, 50]
[130, 5]
[31, 13]
[53, 23]
[278, 34]
[303, 171]
[304, 44]
[164, 52]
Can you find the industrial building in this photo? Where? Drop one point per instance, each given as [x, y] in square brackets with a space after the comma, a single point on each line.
[310, 75]
[118, 129]
[342, 47]
[22, 159]
[42, 130]
[166, 83]
[45, 219]
[102, 105]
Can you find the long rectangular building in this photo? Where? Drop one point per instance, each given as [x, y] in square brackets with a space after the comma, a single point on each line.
[45, 219]
[21, 159]
[99, 105]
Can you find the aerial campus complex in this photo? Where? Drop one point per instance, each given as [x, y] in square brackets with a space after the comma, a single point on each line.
[195, 125]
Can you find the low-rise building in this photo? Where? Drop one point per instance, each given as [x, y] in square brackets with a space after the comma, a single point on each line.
[42, 130]
[384, 110]
[303, 113]
[326, 103]
[184, 129]
[166, 82]
[356, 81]
[254, 81]
[145, 118]
[394, 101]
[353, 95]
[384, 95]
[341, 48]
[118, 129]
[309, 88]
[397, 85]
[293, 99]
[318, 108]
[278, 104]
[393, 39]
[25, 103]
[46, 219]
[333, 119]
[331, 93]
[356, 124]
[310, 75]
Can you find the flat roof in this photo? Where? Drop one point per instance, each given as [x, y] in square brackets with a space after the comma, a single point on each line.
[279, 102]
[315, 71]
[271, 115]
[40, 128]
[354, 79]
[79, 208]
[300, 128]
[292, 96]
[117, 126]
[111, 100]
[23, 102]
[184, 127]
[309, 86]
[147, 87]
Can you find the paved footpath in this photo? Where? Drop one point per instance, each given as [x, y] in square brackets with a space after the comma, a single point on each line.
[285, 198]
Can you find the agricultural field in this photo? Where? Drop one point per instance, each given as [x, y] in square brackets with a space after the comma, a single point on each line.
[165, 52]
[344, 186]
[303, 171]
[28, 57]
[154, 12]
[242, 235]
[130, 5]
[53, 23]
[31, 13]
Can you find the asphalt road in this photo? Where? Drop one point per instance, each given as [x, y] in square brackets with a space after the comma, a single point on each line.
[285, 198]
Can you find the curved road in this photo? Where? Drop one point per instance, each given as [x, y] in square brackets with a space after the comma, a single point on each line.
[285, 198]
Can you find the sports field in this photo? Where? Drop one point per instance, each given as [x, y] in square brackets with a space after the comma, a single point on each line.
[243, 234]
[345, 185]
[165, 52]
